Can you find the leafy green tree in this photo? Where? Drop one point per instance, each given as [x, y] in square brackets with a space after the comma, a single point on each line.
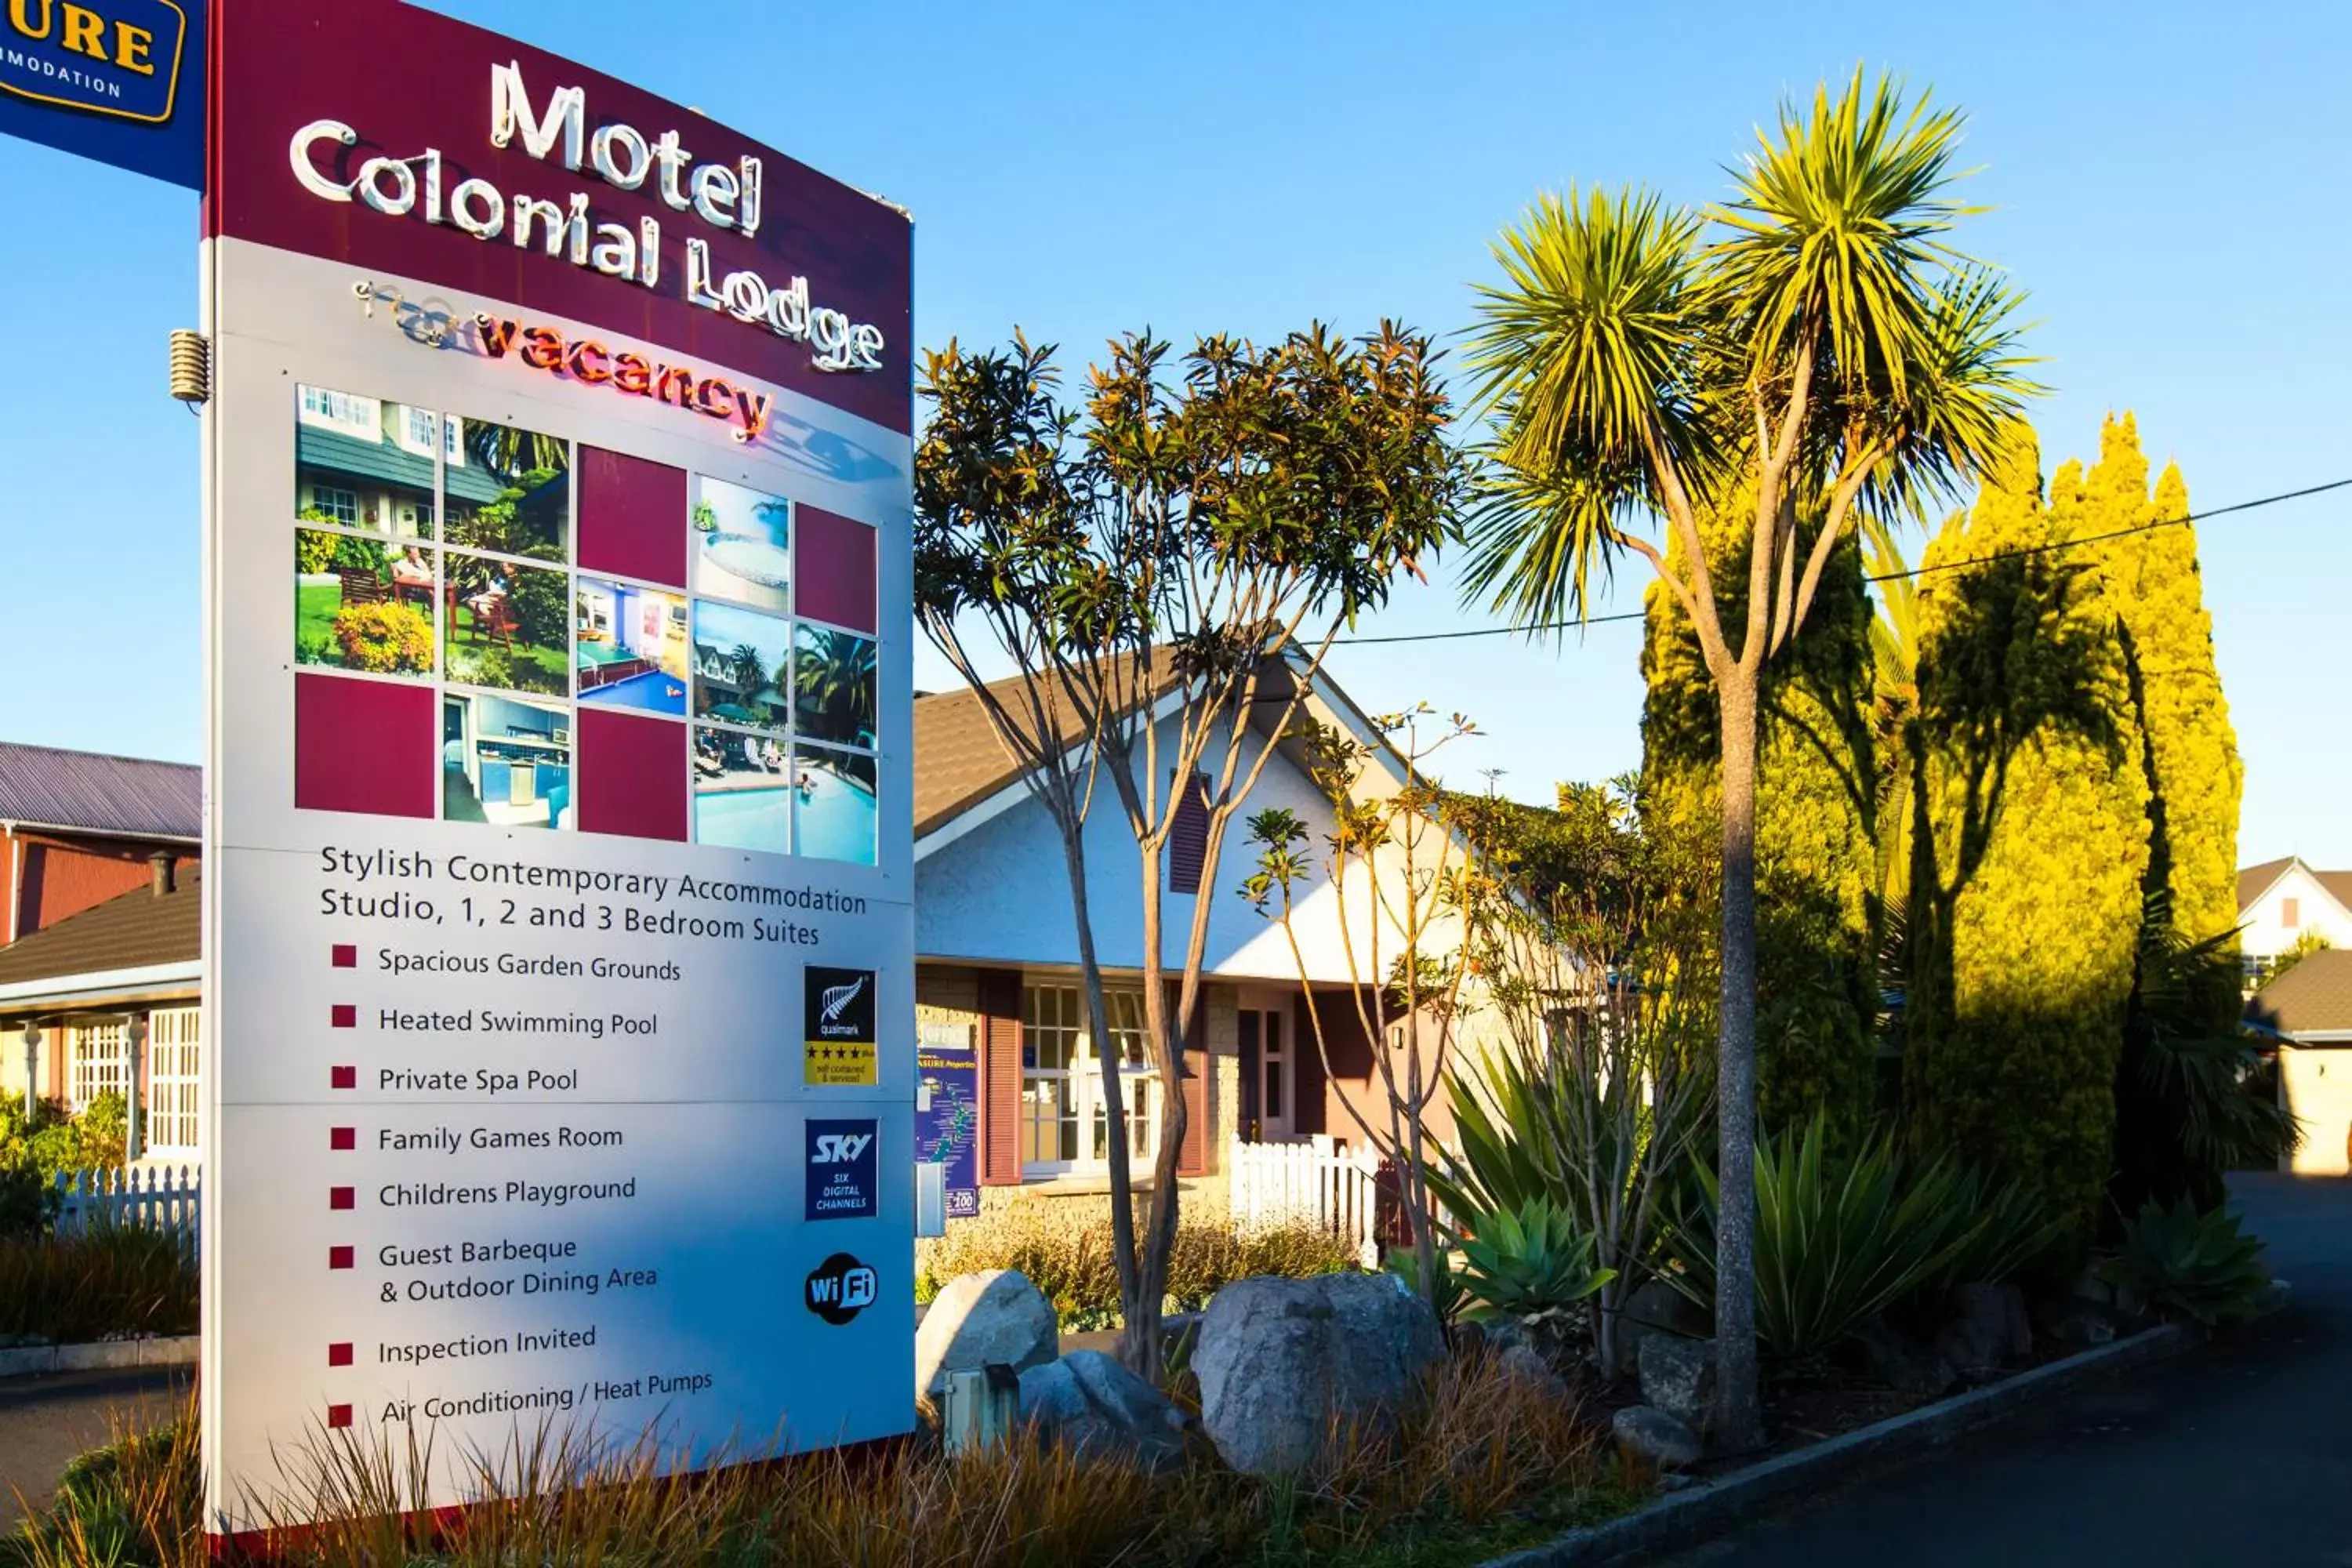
[2029, 842]
[1163, 571]
[1823, 352]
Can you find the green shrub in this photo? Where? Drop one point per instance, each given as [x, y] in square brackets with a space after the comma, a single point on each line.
[541, 612]
[34, 1153]
[385, 638]
[1063, 1250]
[2198, 1266]
[1531, 1264]
[113, 1282]
[1452, 1296]
[316, 552]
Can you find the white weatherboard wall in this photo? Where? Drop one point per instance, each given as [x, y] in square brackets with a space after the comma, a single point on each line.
[2316, 1084]
[671, 1302]
[999, 893]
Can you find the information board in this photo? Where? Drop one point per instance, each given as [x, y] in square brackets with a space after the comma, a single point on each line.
[559, 943]
[947, 1109]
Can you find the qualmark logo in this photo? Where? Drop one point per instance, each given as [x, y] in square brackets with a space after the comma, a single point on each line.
[837, 1008]
[841, 1288]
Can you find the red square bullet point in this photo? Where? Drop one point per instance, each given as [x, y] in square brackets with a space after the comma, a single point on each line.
[346, 956]
[346, 1016]
[339, 1257]
[339, 1355]
[342, 1197]
[343, 1078]
[339, 1415]
[342, 1137]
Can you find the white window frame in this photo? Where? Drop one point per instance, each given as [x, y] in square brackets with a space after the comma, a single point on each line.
[318, 494]
[1069, 1092]
[174, 1061]
[95, 1064]
[349, 412]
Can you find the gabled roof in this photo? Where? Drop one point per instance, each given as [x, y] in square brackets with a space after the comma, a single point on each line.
[45, 787]
[389, 463]
[138, 930]
[959, 761]
[2255, 880]
[2312, 1000]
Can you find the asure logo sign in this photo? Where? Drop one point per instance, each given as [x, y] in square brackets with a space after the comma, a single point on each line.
[840, 1288]
[123, 61]
[842, 1158]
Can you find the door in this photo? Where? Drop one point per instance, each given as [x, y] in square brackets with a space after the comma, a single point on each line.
[1274, 1080]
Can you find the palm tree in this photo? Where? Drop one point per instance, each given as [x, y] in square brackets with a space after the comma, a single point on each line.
[1815, 344]
[833, 678]
[749, 670]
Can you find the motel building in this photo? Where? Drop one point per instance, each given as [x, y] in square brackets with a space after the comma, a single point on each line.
[104, 967]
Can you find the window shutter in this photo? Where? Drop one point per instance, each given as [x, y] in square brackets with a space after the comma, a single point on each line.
[1187, 841]
[1000, 1079]
[1192, 1155]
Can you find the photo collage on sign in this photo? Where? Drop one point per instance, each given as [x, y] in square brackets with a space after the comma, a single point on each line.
[492, 625]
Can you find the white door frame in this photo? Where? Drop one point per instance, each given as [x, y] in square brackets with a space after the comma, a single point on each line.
[1278, 1061]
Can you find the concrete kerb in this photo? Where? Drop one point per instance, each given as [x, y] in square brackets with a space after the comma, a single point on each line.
[1686, 1519]
[99, 1355]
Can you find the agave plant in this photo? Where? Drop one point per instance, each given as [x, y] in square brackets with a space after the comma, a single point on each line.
[2200, 1267]
[1836, 1243]
[1529, 1263]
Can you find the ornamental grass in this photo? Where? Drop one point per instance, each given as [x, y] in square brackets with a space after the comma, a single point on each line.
[1484, 1462]
[110, 1282]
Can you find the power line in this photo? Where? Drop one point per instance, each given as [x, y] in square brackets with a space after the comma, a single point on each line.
[2055, 546]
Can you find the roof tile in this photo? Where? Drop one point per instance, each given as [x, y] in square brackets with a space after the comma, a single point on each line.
[44, 786]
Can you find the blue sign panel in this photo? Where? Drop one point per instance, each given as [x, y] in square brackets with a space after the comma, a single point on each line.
[121, 81]
[947, 1119]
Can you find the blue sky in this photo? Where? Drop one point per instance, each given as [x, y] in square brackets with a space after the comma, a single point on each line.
[2168, 180]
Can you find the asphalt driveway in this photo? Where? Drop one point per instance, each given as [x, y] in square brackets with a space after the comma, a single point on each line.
[2239, 1452]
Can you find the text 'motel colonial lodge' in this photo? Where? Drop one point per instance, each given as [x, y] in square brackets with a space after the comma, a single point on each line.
[558, 928]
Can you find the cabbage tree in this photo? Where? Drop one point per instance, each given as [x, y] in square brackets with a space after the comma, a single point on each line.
[1816, 343]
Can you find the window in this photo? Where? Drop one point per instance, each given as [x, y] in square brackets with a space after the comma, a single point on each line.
[336, 505]
[2291, 913]
[1065, 1126]
[345, 411]
[173, 1115]
[96, 1066]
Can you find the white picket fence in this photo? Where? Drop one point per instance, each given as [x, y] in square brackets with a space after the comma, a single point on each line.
[167, 1198]
[1311, 1182]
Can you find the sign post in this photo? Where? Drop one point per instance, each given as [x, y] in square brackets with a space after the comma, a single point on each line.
[559, 940]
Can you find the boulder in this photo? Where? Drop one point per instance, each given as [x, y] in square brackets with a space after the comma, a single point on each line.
[1652, 1437]
[1987, 1330]
[1279, 1359]
[1655, 1307]
[995, 1316]
[1901, 1362]
[1678, 1378]
[1103, 1411]
[2084, 1325]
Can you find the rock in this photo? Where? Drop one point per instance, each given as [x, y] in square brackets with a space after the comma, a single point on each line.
[1525, 1365]
[1901, 1362]
[2084, 1326]
[1987, 1329]
[1678, 1378]
[1104, 1411]
[1279, 1359]
[1652, 1437]
[1655, 1307]
[995, 1316]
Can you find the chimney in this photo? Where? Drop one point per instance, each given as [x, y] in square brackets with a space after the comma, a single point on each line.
[164, 866]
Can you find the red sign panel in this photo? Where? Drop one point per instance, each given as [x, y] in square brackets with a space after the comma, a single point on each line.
[394, 138]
